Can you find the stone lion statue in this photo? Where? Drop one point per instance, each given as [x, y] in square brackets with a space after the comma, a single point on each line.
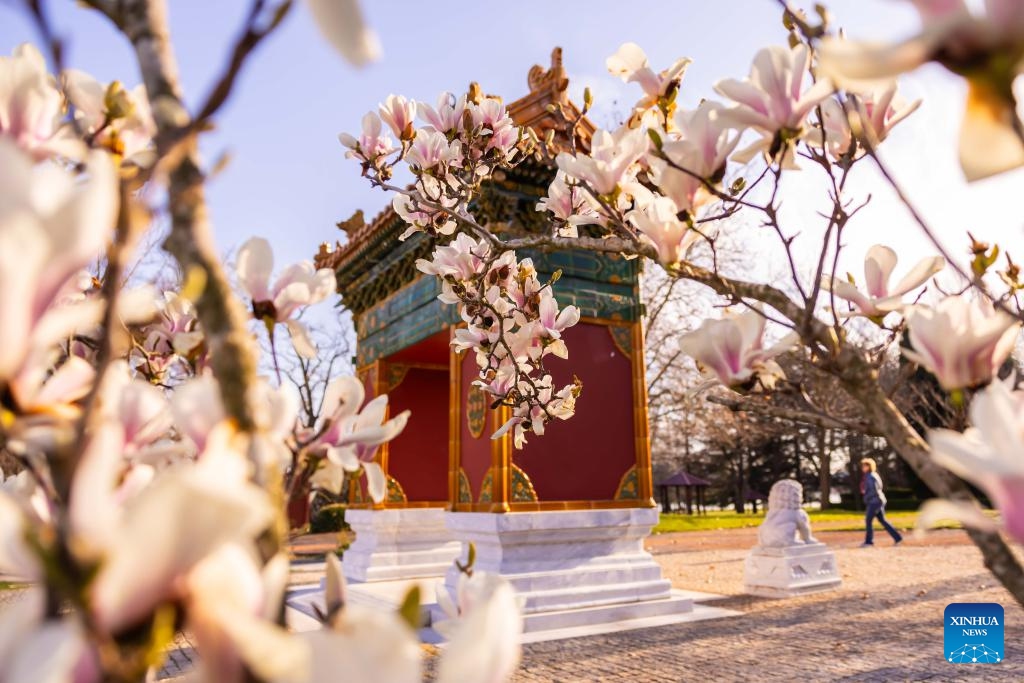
[785, 519]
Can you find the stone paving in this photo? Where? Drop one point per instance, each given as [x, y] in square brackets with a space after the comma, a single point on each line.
[884, 624]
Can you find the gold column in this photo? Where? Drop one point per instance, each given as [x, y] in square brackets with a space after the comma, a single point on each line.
[501, 462]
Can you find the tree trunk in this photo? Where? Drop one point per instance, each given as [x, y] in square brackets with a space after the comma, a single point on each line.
[862, 383]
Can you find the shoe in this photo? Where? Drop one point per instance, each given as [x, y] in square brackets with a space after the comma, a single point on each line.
[867, 545]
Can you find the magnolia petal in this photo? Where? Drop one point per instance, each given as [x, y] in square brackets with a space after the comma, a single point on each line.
[919, 274]
[50, 654]
[878, 266]
[301, 340]
[989, 144]
[485, 646]
[341, 23]
[376, 481]
[16, 558]
[254, 264]
[343, 397]
[939, 509]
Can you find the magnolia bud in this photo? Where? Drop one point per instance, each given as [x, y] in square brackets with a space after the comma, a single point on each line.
[117, 102]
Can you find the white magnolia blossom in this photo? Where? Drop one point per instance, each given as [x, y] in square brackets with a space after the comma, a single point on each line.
[630, 64]
[351, 432]
[961, 341]
[298, 286]
[32, 109]
[341, 23]
[988, 455]
[117, 119]
[51, 227]
[732, 351]
[773, 100]
[659, 224]
[610, 159]
[987, 49]
[873, 113]
[878, 298]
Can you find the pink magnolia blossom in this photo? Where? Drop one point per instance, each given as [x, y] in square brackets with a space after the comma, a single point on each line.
[568, 204]
[372, 145]
[989, 454]
[458, 261]
[772, 99]
[351, 436]
[399, 113]
[874, 111]
[298, 286]
[447, 116]
[432, 150]
[701, 143]
[611, 157]
[987, 49]
[51, 227]
[961, 341]
[878, 299]
[32, 109]
[659, 225]
[732, 350]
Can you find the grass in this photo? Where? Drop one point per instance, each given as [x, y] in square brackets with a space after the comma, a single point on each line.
[837, 520]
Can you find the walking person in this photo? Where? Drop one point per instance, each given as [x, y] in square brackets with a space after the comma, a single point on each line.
[874, 502]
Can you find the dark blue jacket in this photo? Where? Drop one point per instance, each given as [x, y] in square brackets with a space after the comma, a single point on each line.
[873, 489]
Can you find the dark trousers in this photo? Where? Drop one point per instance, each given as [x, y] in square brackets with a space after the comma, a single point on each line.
[878, 510]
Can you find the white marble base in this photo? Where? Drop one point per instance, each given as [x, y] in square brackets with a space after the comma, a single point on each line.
[398, 544]
[539, 627]
[571, 568]
[790, 571]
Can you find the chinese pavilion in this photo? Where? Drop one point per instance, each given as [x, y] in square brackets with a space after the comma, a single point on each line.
[585, 484]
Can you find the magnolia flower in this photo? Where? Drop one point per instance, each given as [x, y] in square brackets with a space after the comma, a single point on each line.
[398, 113]
[873, 112]
[571, 206]
[660, 226]
[119, 120]
[962, 342]
[448, 114]
[988, 455]
[878, 300]
[431, 149]
[420, 218]
[341, 23]
[351, 436]
[987, 50]
[701, 144]
[772, 99]
[630, 64]
[608, 164]
[297, 287]
[51, 227]
[372, 146]
[732, 349]
[31, 107]
[483, 629]
[457, 262]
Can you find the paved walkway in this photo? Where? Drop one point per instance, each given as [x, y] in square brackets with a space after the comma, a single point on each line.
[884, 624]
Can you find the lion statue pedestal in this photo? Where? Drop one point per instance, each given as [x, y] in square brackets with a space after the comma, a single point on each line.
[788, 560]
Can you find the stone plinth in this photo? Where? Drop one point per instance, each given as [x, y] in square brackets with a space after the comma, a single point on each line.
[398, 544]
[571, 568]
[790, 571]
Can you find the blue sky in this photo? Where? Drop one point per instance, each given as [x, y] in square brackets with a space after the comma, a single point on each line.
[289, 181]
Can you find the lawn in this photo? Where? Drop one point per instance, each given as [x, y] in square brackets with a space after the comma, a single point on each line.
[834, 520]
